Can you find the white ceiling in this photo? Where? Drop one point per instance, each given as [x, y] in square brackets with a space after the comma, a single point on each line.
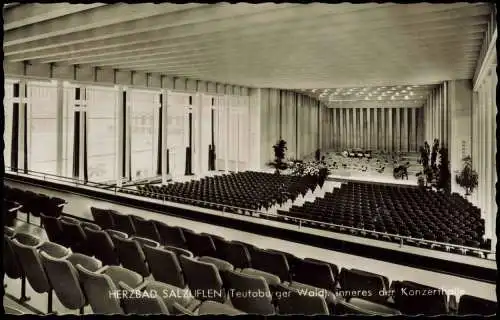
[291, 46]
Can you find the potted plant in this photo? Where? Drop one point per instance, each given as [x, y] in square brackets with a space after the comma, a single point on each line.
[421, 179]
[468, 177]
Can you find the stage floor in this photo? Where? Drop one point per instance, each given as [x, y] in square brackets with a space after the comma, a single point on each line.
[356, 176]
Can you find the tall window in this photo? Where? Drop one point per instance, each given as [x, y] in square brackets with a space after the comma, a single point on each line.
[177, 132]
[42, 127]
[102, 139]
[68, 129]
[7, 137]
[144, 118]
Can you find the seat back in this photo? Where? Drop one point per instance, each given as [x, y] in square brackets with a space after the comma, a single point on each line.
[146, 228]
[474, 305]
[31, 264]
[424, 300]
[292, 301]
[241, 296]
[271, 262]
[171, 236]
[172, 295]
[141, 302]
[53, 228]
[164, 266]
[99, 291]
[11, 264]
[102, 218]
[123, 223]
[237, 254]
[203, 279]
[131, 255]
[101, 245]
[200, 244]
[65, 281]
[315, 274]
[359, 281]
[73, 232]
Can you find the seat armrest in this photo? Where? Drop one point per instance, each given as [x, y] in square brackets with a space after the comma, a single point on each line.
[62, 205]
[453, 305]
[102, 270]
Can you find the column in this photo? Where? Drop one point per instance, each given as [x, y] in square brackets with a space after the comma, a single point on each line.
[446, 114]
[355, 128]
[60, 127]
[333, 133]
[488, 142]
[397, 131]
[376, 142]
[383, 130]
[362, 132]
[391, 132]
[227, 107]
[83, 123]
[348, 128]
[164, 136]
[368, 129]
[120, 116]
[413, 131]
[341, 129]
[492, 159]
[23, 126]
[405, 144]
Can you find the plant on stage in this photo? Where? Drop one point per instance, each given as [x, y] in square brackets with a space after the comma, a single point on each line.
[313, 170]
[444, 174]
[420, 180]
[279, 154]
[468, 177]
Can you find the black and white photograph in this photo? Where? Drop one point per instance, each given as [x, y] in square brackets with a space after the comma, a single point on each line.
[234, 158]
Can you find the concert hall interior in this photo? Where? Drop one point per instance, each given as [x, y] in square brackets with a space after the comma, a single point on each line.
[289, 158]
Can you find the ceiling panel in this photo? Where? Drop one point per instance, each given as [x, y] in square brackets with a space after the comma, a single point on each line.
[291, 46]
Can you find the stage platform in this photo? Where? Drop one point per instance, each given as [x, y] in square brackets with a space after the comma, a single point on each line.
[345, 176]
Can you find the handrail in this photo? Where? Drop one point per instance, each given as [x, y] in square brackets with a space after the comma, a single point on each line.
[265, 214]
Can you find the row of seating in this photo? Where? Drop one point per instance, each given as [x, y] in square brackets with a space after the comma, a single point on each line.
[155, 237]
[285, 266]
[79, 280]
[249, 190]
[34, 203]
[399, 211]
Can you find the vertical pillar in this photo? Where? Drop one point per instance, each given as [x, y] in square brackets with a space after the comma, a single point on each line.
[227, 107]
[405, 130]
[368, 129]
[355, 128]
[362, 133]
[376, 140]
[120, 116]
[348, 128]
[164, 136]
[23, 127]
[334, 131]
[383, 130]
[60, 128]
[413, 131]
[493, 148]
[391, 132]
[397, 131]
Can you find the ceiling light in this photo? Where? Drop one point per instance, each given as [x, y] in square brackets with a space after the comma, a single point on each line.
[380, 98]
[404, 91]
[411, 93]
[406, 97]
[397, 93]
[366, 98]
[369, 94]
[392, 98]
[313, 90]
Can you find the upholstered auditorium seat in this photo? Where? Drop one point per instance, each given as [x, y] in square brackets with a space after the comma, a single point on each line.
[200, 244]
[431, 301]
[271, 262]
[235, 253]
[142, 304]
[180, 252]
[242, 286]
[65, 280]
[172, 236]
[165, 266]
[469, 305]
[146, 228]
[73, 232]
[100, 285]
[11, 264]
[53, 229]
[293, 301]
[102, 246]
[315, 273]
[27, 248]
[103, 218]
[131, 255]
[123, 222]
[203, 279]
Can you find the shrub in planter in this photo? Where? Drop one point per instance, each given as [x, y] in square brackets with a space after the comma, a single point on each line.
[468, 177]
